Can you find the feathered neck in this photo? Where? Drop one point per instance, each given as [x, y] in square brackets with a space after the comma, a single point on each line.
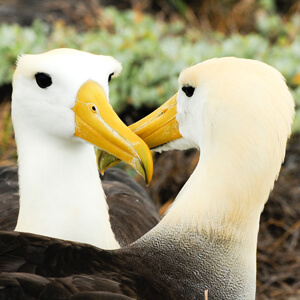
[217, 200]
[213, 223]
[60, 191]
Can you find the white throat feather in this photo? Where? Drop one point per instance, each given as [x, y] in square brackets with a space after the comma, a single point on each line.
[60, 191]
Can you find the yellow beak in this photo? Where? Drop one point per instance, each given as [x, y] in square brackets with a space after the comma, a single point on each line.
[156, 129]
[97, 123]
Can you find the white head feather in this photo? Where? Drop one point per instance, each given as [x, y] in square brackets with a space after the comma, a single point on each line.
[69, 69]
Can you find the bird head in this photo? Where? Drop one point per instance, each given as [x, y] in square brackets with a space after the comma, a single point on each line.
[235, 110]
[63, 94]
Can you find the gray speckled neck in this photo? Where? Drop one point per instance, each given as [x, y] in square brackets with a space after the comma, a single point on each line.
[188, 263]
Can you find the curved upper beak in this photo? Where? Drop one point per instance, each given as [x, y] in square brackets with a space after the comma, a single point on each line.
[97, 123]
[156, 129]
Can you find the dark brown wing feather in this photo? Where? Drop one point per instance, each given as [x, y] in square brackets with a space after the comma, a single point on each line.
[132, 212]
[83, 287]
[38, 267]
[9, 198]
[44, 268]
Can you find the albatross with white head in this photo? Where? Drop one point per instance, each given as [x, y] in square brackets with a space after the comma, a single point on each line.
[60, 109]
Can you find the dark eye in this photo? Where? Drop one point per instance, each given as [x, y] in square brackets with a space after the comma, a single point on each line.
[188, 90]
[109, 77]
[43, 80]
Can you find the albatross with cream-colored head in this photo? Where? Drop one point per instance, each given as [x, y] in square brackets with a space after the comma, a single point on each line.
[239, 113]
[59, 103]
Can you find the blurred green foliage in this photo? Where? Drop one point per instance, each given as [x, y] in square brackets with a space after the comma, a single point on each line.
[153, 53]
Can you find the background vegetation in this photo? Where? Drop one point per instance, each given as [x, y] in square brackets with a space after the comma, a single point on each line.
[153, 52]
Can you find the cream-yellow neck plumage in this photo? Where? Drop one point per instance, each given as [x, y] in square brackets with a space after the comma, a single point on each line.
[240, 119]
